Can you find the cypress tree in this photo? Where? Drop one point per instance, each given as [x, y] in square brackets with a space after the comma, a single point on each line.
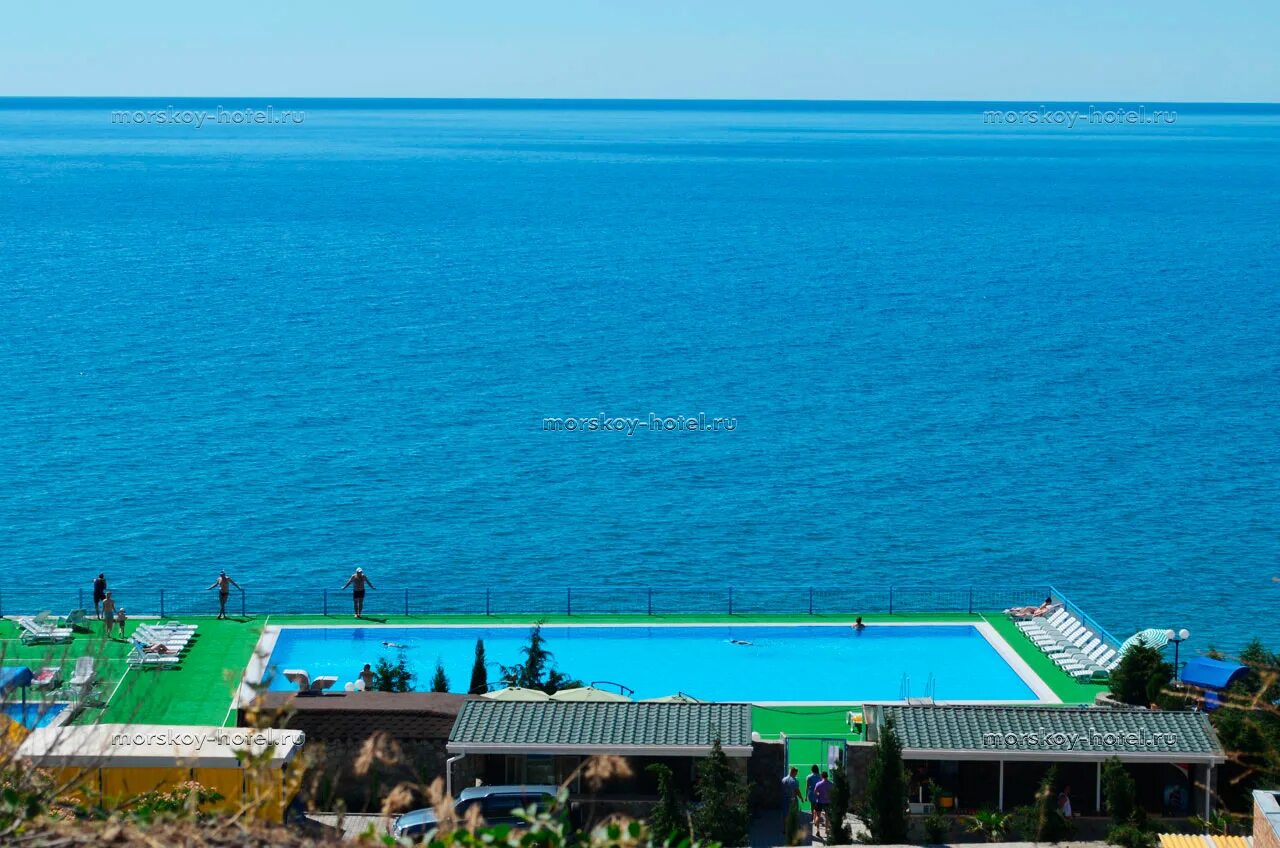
[721, 813]
[479, 676]
[885, 809]
[439, 681]
[667, 818]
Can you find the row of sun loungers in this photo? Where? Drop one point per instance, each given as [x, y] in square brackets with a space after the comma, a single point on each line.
[160, 645]
[1070, 643]
[43, 629]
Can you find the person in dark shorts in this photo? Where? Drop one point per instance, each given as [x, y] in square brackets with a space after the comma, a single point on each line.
[99, 592]
[810, 782]
[822, 803]
[358, 581]
[224, 584]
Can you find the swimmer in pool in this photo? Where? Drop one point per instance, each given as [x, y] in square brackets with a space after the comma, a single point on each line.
[393, 645]
[739, 642]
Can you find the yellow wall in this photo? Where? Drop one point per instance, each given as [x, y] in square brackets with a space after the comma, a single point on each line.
[116, 785]
[229, 783]
[121, 784]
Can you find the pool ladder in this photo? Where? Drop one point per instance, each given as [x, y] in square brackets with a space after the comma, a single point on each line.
[930, 689]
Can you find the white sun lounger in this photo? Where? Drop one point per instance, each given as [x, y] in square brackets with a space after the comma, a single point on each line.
[1086, 658]
[138, 659]
[84, 673]
[150, 634]
[300, 678]
[1040, 622]
[33, 631]
[1057, 638]
[1068, 645]
[1075, 655]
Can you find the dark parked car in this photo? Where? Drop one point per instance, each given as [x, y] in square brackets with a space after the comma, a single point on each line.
[496, 803]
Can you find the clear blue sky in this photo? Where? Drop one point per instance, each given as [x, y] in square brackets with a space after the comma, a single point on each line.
[1120, 50]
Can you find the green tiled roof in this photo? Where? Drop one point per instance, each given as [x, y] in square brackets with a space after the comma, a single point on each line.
[1012, 732]
[604, 727]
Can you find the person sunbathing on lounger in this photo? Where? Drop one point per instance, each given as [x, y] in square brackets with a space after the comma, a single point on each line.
[1031, 611]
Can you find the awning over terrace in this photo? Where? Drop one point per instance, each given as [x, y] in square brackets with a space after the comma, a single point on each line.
[1051, 733]
[1074, 736]
[586, 728]
[1212, 674]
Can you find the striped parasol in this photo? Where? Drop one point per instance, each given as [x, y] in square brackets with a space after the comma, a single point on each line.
[1152, 637]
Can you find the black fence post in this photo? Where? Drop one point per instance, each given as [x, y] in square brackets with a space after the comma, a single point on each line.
[80, 594]
[243, 607]
[731, 600]
[568, 601]
[325, 607]
[162, 603]
[487, 606]
[810, 600]
[970, 600]
[650, 600]
[890, 600]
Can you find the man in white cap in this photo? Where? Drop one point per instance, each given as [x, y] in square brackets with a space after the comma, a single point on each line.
[358, 581]
[224, 584]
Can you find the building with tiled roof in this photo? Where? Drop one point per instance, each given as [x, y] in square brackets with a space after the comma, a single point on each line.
[997, 755]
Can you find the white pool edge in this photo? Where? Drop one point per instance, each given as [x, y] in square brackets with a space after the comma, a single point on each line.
[1044, 693]
[248, 689]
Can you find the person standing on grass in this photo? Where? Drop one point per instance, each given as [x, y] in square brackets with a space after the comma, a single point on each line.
[358, 581]
[108, 613]
[99, 592]
[224, 584]
[121, 620]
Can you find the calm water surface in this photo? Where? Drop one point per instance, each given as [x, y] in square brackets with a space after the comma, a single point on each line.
[955, 353]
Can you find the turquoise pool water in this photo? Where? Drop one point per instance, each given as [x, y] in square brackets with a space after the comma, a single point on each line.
[33, 715]
[756, 663]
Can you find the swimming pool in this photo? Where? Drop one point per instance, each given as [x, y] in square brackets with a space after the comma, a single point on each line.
[756, 663]
[33, 714]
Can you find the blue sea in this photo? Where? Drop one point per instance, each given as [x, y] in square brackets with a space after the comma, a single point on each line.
[954, 353]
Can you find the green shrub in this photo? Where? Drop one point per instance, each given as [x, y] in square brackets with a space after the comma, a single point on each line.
[392, 678]
[884, 809]
[991, 825]
[668, 818]
[1050, 826]
[720, 814]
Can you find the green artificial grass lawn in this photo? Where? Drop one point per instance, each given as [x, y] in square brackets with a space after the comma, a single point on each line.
[827, 721]
[200, 690]
[1063, 685]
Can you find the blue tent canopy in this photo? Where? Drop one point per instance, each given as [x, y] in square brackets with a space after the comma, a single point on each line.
[14, 677]
[1212, 674]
